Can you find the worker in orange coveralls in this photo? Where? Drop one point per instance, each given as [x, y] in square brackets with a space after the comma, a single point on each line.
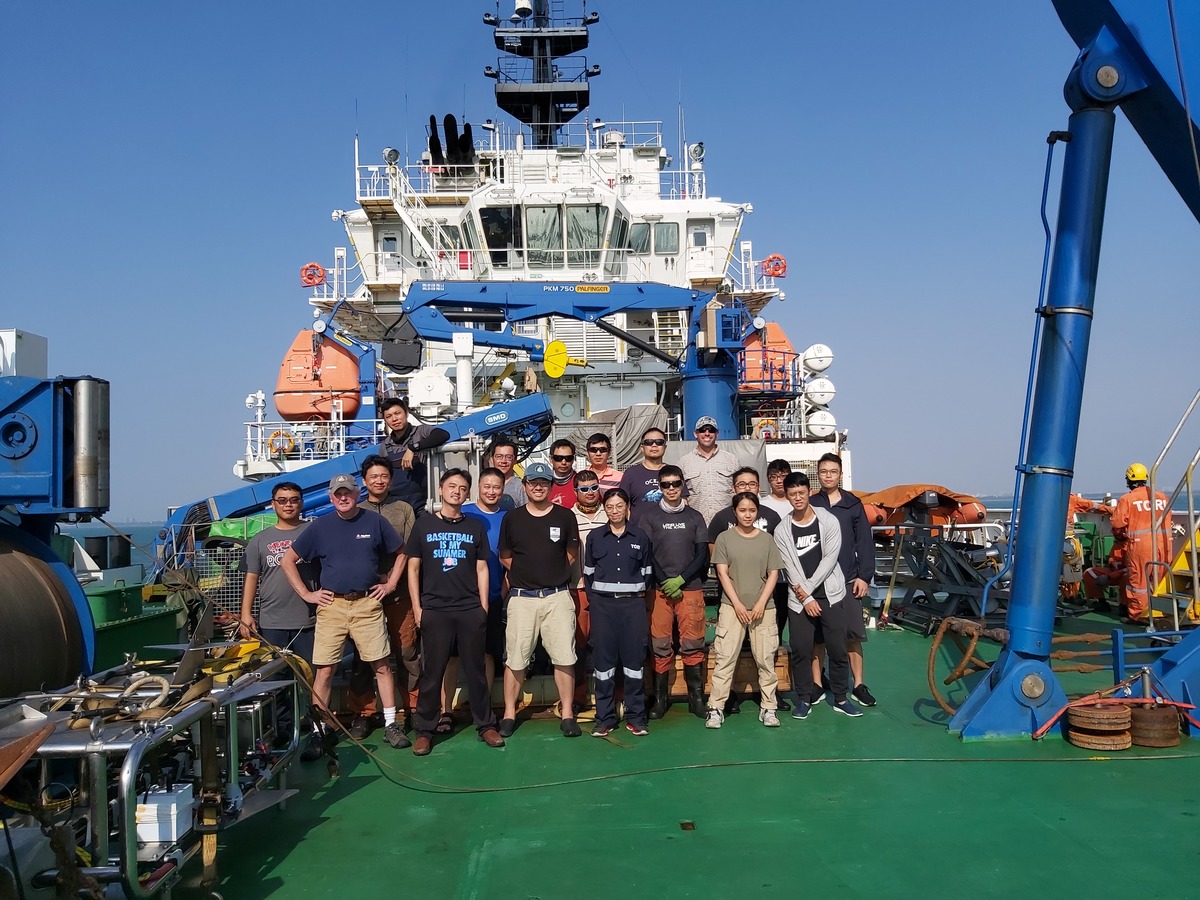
[1131, 529]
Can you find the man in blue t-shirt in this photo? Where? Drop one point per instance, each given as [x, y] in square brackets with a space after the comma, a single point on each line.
[488, 509]
[349, 543]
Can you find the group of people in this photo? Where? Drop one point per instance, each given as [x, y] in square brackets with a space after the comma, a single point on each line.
[598, 566]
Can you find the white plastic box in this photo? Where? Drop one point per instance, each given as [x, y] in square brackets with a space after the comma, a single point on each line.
[164, 816]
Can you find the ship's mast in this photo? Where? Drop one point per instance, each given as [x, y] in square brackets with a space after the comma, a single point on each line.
[535, 82]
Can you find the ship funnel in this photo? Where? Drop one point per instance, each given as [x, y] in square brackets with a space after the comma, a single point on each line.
[523, 9]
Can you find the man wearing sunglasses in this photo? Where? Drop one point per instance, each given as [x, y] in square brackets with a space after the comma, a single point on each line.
[679, 539]
[599, 451]
[708, 471]
[562, 462]
[284, 619]
[640, 482]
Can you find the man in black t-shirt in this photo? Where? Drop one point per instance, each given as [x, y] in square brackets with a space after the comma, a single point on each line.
[451, 605]
[539, 543]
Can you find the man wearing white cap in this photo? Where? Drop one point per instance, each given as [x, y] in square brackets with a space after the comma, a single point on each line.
[349, 543]
[708, 471]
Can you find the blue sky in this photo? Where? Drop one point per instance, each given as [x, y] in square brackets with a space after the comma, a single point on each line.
[165, 169]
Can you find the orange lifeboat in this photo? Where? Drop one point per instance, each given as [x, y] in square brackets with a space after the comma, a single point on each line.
[876, 515]
[769, 361]
[315, 372]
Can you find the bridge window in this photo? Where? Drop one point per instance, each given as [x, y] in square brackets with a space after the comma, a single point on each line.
[585, 234]
[443, 237]
[666, 237]
[639, 238]
[502, 232]
[543, 224]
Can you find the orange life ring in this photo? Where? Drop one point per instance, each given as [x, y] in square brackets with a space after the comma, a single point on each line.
[281, 443]
[775, 266]
[312, 274]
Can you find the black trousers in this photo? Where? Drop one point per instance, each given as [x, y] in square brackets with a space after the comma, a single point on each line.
[830, 628]
[441, 630]
[619, 642]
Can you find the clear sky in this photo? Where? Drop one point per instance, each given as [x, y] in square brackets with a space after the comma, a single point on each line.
[165, 169]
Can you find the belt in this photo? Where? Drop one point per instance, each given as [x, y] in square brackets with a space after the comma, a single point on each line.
[350, 595]
[624, 596]
[538, 592]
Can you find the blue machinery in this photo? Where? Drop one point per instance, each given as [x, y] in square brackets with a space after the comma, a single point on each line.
[53, 462]
[1127, 58]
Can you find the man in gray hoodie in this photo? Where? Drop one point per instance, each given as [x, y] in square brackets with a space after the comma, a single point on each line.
[809, 541]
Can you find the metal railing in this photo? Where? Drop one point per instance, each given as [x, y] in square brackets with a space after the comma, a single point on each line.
[1157, 523]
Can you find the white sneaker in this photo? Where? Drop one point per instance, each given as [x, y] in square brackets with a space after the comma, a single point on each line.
[768, 717]
[715, 719]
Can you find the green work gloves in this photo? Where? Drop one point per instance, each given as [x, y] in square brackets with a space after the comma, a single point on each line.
[673, 587]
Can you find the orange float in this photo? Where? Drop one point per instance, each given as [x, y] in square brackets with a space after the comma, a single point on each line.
[774, 266]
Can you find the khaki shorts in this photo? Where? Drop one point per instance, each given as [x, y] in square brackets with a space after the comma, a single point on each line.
[551, 618]
[360, 620]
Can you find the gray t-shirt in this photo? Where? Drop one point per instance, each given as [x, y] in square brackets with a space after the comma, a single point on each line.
[749, 560]
[279, 606]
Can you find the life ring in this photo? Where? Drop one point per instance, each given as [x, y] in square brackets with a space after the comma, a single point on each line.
[774, 266]
[312, 274]
[281, 443]
[767, 428]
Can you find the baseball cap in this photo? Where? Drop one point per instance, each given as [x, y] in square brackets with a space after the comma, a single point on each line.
[706, 420]
[538, 470]
[343, 481]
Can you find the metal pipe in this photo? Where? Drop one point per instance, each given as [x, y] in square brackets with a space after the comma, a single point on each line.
[644, 346]
[90, 466]
[1058, 391]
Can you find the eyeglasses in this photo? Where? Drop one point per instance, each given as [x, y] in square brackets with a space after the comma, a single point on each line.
[746, 485]
[502, 457]
[667, 485]
[707, 429]
[828, 472]
[653, 442]
[597, 449]
[287, 501]
[587, 488]
[562, 458]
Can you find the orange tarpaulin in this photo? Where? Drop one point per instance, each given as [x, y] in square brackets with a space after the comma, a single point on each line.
[962, 509]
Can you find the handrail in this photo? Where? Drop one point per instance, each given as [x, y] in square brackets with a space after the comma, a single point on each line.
[1157, 522]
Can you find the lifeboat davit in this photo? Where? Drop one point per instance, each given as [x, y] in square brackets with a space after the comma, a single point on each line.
[316, 371]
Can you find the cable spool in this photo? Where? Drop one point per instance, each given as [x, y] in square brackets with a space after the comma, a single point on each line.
[1155, 726]
[1100, 727]
[41, 642]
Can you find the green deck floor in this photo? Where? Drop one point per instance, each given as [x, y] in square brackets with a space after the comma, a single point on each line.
[888, 805]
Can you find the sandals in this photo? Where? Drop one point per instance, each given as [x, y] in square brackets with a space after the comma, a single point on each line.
[445, 724]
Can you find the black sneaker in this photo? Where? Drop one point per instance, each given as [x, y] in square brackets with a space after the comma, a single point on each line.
[863, 696]
[361, 728]
[314, 748]
[570, 728]
[395, 736]
[507, 727]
